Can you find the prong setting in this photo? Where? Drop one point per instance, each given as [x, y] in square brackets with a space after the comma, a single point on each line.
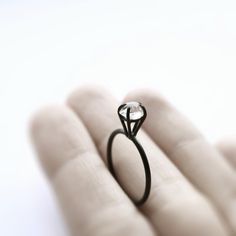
[132, 116]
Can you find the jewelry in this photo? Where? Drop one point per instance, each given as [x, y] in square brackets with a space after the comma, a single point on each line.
[132, 116]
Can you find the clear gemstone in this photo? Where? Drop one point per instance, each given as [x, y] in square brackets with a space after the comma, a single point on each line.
[136, 111]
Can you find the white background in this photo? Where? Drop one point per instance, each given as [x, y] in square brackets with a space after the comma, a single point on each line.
[185, 49]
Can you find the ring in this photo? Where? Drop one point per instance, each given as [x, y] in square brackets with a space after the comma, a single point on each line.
[132, 116]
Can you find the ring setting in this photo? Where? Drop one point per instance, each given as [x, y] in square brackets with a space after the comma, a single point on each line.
[132, 116]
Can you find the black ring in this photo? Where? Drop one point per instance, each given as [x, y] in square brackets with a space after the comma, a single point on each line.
[131, 134]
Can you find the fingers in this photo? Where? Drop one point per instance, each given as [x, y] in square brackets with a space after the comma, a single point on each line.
[228, 148]
[185, 146]
[172, 201]
[92, 201]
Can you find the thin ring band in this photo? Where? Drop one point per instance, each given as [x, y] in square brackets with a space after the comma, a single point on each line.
[130, 134]
[144, 159]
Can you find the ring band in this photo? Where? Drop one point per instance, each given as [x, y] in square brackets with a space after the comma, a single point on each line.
[132, 116]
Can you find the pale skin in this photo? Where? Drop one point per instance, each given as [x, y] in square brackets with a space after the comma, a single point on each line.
[193, 183]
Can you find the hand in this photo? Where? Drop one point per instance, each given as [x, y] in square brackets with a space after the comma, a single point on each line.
[193, 185]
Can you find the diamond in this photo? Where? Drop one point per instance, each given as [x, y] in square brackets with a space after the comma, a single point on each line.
[136, 111]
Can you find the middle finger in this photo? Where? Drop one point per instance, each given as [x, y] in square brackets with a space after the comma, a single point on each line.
[172, 201]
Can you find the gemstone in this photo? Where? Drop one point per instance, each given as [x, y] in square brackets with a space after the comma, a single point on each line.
[136, 111]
